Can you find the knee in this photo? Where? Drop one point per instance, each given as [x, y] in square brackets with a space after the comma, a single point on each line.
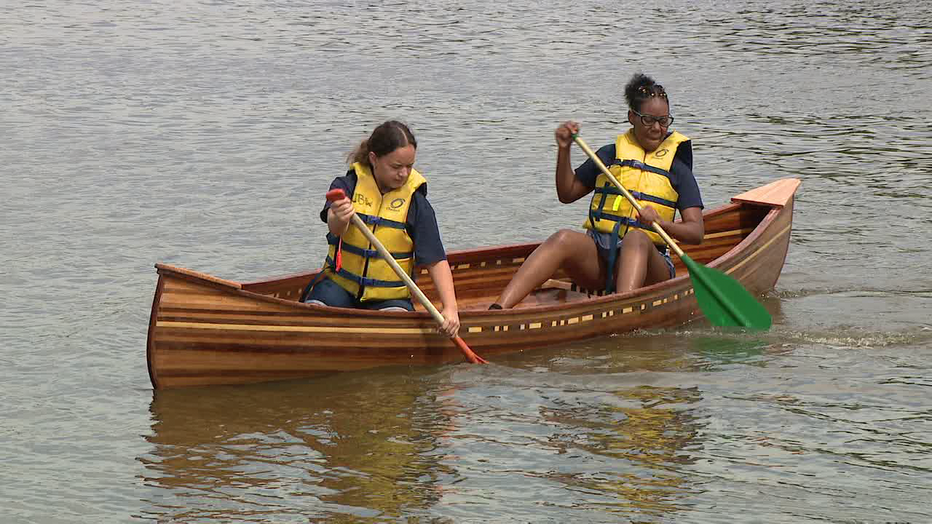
[559, 244]
[329, 293]
[561, 237]
[636, 237]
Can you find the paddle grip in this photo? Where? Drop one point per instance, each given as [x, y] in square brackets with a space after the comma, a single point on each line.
[335, 194]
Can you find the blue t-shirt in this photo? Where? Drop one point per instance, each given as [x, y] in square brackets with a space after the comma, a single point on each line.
[421, 223]
[681, 174]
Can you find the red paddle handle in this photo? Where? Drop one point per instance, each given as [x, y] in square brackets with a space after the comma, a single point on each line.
[335, 194]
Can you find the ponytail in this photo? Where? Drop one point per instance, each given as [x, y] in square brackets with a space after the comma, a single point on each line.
[386, 138]
[360, 153]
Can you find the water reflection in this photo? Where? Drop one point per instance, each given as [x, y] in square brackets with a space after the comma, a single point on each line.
[723, 350]
[358, 445]
[647, 434]
[622, 439]
[396, 444]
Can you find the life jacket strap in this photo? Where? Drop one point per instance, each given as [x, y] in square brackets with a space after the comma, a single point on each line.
[622, 220]
[612, 255]
[368, 253]
[596, 214]
[376, 220]
[636, 164]
[363, 281]
[612, 190]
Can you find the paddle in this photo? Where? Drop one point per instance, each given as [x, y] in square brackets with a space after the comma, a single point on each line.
[722, 299]
[338, 194]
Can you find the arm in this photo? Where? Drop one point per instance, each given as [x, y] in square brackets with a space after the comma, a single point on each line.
[690, 230]
[443, 280]
[569, 188]
[339, 216]
[429, 253]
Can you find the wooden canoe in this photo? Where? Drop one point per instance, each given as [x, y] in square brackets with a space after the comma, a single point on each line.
[205, 330]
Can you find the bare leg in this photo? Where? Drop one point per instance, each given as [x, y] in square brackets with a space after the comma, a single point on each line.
[573, 251]
[639, 263]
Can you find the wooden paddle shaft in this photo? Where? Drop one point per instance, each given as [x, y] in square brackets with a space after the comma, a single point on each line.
[416, 291]
[663, 234]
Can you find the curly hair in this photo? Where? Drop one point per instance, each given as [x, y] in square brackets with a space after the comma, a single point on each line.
[641, 88]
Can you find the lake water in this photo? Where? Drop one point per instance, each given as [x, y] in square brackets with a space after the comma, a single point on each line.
[204, 134]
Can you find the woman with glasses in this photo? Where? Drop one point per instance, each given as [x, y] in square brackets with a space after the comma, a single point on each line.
[620, 251]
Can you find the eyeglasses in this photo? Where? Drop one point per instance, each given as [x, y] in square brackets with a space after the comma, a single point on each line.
[648, 120]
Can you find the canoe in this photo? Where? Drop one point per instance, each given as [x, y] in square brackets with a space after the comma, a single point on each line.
[205, 330]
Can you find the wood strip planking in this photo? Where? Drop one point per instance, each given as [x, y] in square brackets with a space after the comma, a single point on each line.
[299, 329]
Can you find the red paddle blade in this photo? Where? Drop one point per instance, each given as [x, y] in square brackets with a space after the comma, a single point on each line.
[335, 194]
[468, 353]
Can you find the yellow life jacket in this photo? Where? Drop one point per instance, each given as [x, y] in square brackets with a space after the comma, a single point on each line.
[363, 271]
[645, 176]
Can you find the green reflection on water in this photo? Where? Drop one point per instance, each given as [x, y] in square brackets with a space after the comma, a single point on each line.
[723, 350]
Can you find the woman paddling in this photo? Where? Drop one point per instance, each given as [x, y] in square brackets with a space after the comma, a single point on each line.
[619, 251]
[390, 196]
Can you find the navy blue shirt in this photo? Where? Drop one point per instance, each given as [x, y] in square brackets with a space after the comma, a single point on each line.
[421, 223]
[681, 174]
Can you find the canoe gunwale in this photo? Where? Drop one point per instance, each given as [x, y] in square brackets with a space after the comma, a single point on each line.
[300, 306]
[239, 289]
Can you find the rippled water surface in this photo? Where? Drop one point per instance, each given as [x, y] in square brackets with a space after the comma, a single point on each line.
[204, 134]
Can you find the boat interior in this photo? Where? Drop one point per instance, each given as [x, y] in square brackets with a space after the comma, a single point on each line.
[480, 275]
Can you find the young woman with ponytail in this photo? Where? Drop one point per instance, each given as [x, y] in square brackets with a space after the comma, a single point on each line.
[390, 196]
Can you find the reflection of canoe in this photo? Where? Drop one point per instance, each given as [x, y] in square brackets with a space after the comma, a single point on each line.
[303, 444]
[206, 330]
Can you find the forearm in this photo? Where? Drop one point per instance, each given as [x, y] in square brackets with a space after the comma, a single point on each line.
[442, 277]
[687, 232]
[565, 177]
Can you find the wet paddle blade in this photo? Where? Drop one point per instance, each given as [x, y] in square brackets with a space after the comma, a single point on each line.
[468, 353]
[724, 301]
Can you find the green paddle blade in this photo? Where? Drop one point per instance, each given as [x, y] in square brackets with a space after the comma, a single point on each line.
[723, 300]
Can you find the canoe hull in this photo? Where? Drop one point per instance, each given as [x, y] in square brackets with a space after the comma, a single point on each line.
[204, 330]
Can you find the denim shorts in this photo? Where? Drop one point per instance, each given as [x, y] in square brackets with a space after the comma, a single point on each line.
[604, 240]
[329, 293]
